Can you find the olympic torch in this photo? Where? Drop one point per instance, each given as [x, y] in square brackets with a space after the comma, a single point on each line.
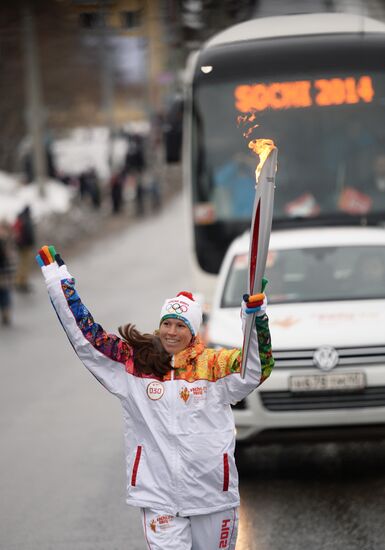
[260, 227]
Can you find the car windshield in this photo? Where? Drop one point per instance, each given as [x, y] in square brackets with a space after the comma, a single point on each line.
[314, 274]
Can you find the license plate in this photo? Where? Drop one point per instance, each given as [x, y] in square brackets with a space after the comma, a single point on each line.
[328, 382]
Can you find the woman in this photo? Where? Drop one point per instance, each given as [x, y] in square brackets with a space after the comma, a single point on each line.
[176, 396]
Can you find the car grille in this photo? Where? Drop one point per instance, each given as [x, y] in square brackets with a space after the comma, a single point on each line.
[288, 401]
[303, 358]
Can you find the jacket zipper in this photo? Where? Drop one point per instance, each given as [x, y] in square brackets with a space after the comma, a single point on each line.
[174, 443]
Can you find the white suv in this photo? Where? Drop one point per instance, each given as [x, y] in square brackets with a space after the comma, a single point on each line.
[326, 305]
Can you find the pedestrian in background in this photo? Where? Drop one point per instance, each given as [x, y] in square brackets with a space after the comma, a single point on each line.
[116, 189]
[89, 187]
[176, 396]
[7, 269]
[25, 239]
[135, 164]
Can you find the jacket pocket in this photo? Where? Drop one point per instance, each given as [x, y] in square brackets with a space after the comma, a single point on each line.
[136, 465]
[226, 472]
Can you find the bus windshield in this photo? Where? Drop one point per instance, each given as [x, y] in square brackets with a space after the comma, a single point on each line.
[322, 102]
[330, 136]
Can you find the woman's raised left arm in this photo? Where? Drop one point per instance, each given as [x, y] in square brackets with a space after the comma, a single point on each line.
[105, 355]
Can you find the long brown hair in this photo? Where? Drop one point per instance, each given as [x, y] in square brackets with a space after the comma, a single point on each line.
[150, 357]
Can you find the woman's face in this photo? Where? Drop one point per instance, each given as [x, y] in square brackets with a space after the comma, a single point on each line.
[174, 335]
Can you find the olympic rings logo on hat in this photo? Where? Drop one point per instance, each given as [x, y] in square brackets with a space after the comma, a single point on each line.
[177, 307]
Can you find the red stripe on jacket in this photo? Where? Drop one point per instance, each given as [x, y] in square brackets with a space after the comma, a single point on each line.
[136, 465]
[226, 474]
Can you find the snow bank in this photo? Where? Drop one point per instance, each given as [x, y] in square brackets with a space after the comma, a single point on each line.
[14, 197]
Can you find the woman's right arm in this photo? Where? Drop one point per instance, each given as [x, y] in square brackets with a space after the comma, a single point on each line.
[105, 355]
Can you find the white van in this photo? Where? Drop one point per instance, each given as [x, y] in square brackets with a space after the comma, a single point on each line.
[326, 297]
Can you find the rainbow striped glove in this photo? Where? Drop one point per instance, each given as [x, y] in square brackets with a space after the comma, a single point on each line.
[51, 263]
[47, 255]
[255, 303]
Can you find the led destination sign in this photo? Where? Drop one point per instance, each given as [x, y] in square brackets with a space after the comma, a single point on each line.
[304, 93]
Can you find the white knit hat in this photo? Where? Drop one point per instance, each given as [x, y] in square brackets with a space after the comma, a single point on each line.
[185, 308]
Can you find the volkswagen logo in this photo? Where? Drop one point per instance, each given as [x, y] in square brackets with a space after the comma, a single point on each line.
[325, 358]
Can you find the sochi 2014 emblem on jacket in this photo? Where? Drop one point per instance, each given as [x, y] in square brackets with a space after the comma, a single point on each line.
[184, 394]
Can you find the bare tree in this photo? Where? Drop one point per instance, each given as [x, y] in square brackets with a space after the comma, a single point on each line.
[69, 72]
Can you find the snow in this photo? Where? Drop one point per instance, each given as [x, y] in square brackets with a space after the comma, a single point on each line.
[14, 196]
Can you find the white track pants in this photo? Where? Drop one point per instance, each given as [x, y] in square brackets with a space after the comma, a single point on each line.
[206, 532]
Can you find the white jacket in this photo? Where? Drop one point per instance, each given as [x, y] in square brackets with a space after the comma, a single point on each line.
[179, 430]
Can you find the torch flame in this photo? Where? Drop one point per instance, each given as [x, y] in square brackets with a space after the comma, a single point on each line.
[261, 147]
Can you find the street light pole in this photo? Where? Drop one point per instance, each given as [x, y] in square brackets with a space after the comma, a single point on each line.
[107, 83]
[34, 111]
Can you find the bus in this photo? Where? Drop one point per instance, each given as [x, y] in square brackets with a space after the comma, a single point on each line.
[316, 84]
